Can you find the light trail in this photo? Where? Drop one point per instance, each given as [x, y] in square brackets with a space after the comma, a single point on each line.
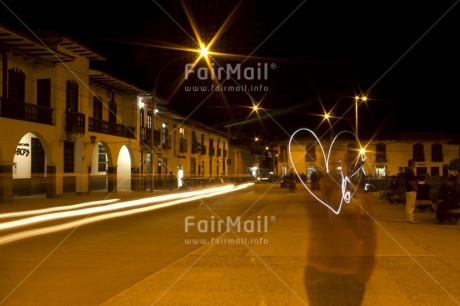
[180, 199]
[55, 209]
[100, 209]
[345, 180]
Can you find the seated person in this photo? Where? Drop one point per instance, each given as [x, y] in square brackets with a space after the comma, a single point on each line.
[423, 199]
[449, 198]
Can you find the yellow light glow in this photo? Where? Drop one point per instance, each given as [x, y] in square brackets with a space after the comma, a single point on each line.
[203, 51]
[362, 151]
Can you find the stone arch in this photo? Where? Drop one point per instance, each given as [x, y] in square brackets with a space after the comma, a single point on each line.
[31, 158]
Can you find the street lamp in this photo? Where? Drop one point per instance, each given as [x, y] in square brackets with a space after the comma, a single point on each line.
[154, 114]
[357, 100]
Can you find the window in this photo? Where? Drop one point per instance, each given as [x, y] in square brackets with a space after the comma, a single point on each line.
[44, 100]
[97, 108]
[380, 153]
[164, 136]
[219, 152]
[112, 112]
[149, 119]
[310, 152]
[195, 144]
[211, 147]
[283, 154]
[436, 152]
[203, 146]
[16, 85]
[102, 159]
[69, 157]
[417, 152]
[142, 117]
[71, 97]
[44, 92]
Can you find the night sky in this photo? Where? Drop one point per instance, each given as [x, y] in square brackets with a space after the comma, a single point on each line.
[404, 57]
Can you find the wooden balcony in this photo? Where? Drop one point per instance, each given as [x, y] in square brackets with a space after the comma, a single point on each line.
[14, 109]
[111, 128]
[74, 122]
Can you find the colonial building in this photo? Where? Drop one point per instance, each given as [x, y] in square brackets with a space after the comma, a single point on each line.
[183, 146]
[239, 160]
[385, 155]
[65, 127]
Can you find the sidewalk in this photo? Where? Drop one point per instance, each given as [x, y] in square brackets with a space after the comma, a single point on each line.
[416, 264]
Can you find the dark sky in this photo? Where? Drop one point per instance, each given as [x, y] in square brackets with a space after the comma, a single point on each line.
[403, 54]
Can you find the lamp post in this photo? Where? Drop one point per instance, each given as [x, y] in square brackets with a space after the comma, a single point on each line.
[357, 100]
[154, 114]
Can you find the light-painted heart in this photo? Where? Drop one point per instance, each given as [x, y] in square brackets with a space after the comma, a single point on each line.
[345, 180]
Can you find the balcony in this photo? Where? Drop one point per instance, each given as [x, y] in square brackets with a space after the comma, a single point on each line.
[196, 147]
[74, 122]
[146, 136]
[183, 145]
[111, 128]
[25, 111]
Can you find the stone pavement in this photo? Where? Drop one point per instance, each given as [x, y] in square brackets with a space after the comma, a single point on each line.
[416, 264]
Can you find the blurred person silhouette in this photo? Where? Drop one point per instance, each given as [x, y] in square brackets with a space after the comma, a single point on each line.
[448, 198]
[341, 253]
[313, 180]
[291, 182]
[171, 180]
[411, 191]
[423, 198]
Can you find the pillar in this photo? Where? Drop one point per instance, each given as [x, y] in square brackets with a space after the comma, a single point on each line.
[112, 179]
[51, 182]
[6, 183]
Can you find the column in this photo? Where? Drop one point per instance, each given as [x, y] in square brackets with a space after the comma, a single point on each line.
[6, 183]
[112, 179]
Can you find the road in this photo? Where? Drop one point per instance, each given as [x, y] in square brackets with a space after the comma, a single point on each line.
[145, 259]
[89, 264]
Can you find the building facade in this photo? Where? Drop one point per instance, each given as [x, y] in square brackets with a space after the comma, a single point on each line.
[65, 127]
[385, 155]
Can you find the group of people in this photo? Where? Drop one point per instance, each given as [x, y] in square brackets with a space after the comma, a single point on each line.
[315, 178]
[418, 192]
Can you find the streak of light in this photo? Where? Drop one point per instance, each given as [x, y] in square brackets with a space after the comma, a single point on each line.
[98, 209]
[187, 197]
[55, 209]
